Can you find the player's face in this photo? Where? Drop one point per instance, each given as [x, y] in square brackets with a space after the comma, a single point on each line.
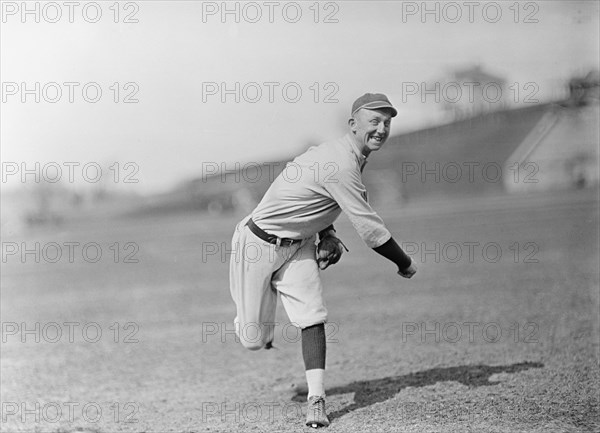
[371, 128]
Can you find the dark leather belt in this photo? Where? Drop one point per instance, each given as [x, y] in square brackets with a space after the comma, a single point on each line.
[272, 239]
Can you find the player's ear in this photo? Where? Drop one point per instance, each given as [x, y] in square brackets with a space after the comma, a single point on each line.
[352, 124]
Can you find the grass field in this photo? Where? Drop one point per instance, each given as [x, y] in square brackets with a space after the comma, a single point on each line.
[477, 342]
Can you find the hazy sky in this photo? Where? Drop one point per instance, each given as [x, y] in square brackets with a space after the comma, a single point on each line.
[176, 49]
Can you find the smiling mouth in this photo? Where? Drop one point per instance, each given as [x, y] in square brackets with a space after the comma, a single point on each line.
[376, 138]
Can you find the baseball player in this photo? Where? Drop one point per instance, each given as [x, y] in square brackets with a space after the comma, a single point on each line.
[275, 250]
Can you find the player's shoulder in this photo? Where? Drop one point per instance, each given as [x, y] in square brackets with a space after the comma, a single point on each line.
[336, 152]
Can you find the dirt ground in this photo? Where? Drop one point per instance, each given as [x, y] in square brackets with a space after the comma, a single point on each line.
[498, 331]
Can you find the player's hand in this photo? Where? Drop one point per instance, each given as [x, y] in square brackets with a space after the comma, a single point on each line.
[410, 271]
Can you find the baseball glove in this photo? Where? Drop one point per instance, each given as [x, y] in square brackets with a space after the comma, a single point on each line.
[329, 251]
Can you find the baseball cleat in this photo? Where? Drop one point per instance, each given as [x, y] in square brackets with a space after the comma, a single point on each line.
[315, 414]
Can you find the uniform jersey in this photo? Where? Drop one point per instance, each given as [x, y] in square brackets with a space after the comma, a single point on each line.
[312, 191]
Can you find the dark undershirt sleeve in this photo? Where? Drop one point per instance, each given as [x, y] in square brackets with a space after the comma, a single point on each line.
[392, 251]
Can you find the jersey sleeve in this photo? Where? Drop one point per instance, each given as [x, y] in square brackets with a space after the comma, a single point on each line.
[348, 190]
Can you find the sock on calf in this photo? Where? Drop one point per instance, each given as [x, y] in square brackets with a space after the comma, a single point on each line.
[315, 379]
[314, 352]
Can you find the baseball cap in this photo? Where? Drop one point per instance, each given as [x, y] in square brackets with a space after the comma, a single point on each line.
[373, 101]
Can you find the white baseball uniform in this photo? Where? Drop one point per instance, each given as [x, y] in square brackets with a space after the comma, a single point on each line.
[304, 199]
